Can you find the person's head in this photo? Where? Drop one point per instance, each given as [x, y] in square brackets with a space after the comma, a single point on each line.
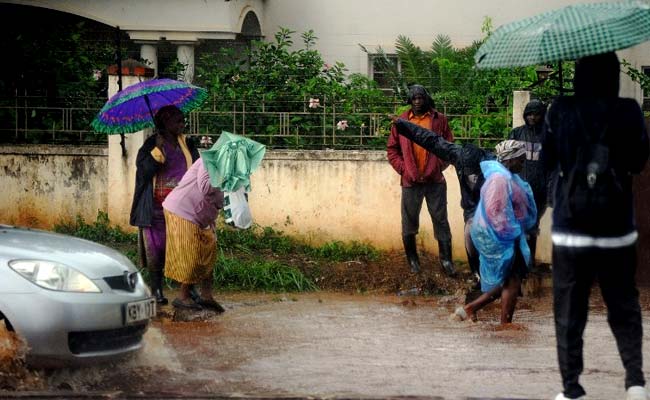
[511, 153]
[534, 113]
[419, 99]
[471, 157]
[597, 76]
[170, 121]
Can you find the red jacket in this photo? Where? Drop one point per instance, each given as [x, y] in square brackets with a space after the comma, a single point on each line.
[402, 159]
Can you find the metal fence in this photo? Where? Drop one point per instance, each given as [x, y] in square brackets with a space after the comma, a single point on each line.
[334, 125]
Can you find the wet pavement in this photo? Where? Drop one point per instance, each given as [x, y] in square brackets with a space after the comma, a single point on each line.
[356, 346]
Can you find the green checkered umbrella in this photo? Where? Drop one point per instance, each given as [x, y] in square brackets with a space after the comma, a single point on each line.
[566, 34]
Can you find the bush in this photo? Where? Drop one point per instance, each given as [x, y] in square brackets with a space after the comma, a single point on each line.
[99, 231]
[259, 274]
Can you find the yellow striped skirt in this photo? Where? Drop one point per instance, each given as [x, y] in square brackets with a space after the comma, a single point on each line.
[191, 252]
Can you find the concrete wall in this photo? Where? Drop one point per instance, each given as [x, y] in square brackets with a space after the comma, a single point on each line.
[638, 56]
[333, 195]
[317, 195]
[43, 185]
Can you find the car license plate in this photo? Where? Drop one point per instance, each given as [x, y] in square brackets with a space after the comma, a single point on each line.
[140, 310]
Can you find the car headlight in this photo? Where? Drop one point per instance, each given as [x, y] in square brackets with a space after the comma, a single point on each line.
[54, 276]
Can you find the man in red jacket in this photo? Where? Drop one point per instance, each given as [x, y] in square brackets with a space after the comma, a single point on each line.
[421, 178]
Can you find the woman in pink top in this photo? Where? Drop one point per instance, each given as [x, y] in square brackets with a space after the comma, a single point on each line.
[191, 211]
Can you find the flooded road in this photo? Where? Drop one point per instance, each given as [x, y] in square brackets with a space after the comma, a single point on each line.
[324, 344]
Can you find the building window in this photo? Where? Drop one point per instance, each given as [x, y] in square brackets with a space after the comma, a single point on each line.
[381, 66]
[646, 93]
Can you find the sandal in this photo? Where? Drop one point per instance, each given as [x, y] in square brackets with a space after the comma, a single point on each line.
[194, 294]
[187, 304]
[212, 305]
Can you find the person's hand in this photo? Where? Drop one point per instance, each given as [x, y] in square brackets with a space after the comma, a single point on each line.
[393, 118]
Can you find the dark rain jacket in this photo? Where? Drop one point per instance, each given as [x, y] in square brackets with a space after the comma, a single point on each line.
[466, 160]
[627, 139]
[401, 157]
[533, 171]
[146, 169]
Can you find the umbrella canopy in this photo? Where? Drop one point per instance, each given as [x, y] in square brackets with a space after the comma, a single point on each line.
[231, 161]
[133, 108]
[566, 34]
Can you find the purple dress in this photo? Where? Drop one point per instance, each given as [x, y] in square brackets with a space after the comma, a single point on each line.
[167, 179]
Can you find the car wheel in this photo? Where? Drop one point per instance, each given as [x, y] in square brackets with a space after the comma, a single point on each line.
[7, 323]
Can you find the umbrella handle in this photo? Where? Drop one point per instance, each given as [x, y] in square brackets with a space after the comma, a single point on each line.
[146, 100]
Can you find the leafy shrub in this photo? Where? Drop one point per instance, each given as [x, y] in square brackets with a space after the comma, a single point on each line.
[259, 274]
[98, 231]
[340, 251]
[256, 239]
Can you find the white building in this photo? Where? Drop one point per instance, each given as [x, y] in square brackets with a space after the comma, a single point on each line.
[341, 25]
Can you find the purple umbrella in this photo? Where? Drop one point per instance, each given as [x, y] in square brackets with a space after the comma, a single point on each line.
[133, 108]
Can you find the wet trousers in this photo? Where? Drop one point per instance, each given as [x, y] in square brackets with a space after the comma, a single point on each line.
[435, 195]
[574, 271]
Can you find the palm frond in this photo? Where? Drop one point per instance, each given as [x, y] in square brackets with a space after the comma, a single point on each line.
[441, 47]
[415, 64]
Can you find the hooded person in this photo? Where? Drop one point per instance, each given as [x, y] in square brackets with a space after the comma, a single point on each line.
[595, 241]
[421, 179]
[531, 134]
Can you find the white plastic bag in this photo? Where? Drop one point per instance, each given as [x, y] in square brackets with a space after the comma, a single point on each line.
[236, 210]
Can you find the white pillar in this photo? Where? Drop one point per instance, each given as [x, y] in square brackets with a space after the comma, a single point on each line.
[185, 55]
[121, 170]
[519, 100]
[149, 53]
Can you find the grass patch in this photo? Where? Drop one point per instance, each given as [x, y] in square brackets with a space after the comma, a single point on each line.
[340, 251]
[255, 259]
[256, 239]
[259, 274]
[99, 231]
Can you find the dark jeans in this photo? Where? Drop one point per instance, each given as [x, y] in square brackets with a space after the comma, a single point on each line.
[436, 196]
[574, 271]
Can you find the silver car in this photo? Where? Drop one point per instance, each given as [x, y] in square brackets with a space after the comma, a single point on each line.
[72, 300]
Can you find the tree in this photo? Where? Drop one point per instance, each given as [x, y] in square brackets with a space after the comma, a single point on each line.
[273, 78]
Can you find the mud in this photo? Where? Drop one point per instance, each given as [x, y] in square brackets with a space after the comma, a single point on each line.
[14, 375]
[389, 274]
[332, 344]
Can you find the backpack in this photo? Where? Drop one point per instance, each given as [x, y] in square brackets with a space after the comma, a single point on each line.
[593, 191]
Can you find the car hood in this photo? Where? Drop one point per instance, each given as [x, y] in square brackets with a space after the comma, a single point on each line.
[94, 260]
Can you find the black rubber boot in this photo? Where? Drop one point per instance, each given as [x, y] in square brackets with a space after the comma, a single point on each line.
[410, 248]
[444, 253]
[157, 287]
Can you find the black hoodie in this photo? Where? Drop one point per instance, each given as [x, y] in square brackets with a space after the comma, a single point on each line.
[533, 171]
[595, 107]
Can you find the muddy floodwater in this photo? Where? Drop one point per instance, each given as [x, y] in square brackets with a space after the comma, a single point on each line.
[324, 344]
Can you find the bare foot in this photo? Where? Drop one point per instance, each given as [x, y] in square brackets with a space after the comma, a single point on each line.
[461, 314]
